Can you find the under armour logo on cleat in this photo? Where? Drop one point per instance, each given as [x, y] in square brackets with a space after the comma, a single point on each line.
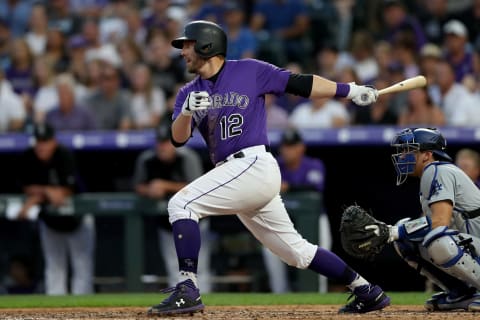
[180, 302]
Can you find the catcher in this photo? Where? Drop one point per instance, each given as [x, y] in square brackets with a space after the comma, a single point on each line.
[442, 245]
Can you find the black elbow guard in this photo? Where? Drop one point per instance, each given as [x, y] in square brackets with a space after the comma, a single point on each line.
[300, 84]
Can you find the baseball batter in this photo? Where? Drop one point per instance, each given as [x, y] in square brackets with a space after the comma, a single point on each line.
[444, 244]
[225, 102]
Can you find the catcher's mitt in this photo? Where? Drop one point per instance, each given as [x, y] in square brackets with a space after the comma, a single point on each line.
[361, 234]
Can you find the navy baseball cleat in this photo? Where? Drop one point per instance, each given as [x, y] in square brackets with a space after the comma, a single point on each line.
[443, 301]
[367, 298]
[185, 298]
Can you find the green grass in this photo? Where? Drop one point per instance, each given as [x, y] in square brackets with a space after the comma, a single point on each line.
[213, 299]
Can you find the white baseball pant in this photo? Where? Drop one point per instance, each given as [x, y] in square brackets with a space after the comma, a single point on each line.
[248, 187]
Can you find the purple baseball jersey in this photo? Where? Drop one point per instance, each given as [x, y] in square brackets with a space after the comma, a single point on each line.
[310, 174]
[236, 118]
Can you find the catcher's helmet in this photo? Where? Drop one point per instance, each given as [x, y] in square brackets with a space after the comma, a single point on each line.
[410, 140]
[210, 39]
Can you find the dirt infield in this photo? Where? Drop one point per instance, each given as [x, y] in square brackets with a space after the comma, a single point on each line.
[300, 312]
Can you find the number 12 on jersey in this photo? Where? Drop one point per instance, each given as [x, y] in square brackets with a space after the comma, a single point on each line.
[230, 126]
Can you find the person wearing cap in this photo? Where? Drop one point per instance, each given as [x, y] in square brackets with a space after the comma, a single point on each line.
[160, 173]
[456, 47]
[49, 178]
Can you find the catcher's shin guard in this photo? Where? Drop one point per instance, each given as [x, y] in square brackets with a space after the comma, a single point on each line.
[367, 298]
[185, 298]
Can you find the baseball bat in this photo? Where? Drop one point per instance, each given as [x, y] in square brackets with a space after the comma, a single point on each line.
[407, 84]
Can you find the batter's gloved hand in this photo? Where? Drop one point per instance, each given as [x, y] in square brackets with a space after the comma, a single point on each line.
[362, 236]
[196, 100]
[362, 95]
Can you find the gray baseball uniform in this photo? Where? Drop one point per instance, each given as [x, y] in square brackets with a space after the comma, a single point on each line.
[445, 181]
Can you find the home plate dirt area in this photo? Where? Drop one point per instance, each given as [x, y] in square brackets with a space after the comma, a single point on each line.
[233, 313]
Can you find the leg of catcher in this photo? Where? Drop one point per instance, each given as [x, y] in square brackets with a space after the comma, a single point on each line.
[272, 226]
[409, 251]
[455, 253]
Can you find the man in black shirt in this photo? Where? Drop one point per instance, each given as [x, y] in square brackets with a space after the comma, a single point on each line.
[48, 180]
[159, 174]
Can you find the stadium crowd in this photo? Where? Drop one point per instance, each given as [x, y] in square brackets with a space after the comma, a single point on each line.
[109, 65]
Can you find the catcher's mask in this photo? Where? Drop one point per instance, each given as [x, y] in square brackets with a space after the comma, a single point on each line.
[408, 141]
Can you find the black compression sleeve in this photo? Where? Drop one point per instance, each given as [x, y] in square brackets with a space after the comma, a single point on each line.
[300, 84]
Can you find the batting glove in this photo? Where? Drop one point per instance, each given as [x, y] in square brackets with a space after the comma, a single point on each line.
[362, 95]
[196, 100]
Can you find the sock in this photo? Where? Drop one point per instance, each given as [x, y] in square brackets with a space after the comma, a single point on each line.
[186, 235]
[332, 266]
[357, 282]
[184, 275]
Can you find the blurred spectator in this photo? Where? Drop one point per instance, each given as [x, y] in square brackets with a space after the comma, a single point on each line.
[212, 10]
[16, 13]
[405, 53]
[20, 72]
[68, 115]
[433, 17]
[241, 41]
[383, 53]
[131, 54]
[110, 105]
[460, 107]
[319, 113]
[277, 117]
[88, 8]
[167, 68]
[46, 96]
[330, 61]
[428, 59]
[36, 37]
[77, 47]
[62, 18]
[281, 27]
[379, 112]
[469, 161]
[396, 73]
[156, 14]
[299, 173]
[148, 102]
[471, 18]
[159, 174]
[421, 111]
[136, 30]
[457, 52]
[5, 45]
[90, 33]
[364, 63]
[48, 178]
[12, 112]
[56, 50]
[113, 26]
[93, 74]
[398, 21]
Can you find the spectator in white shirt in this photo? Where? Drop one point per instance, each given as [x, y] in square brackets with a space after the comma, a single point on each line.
[458, 104]
[319, 113]
[36, 37]
[12, 112]
[148, 102]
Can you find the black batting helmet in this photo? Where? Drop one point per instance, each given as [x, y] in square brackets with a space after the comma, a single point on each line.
[210, 39]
